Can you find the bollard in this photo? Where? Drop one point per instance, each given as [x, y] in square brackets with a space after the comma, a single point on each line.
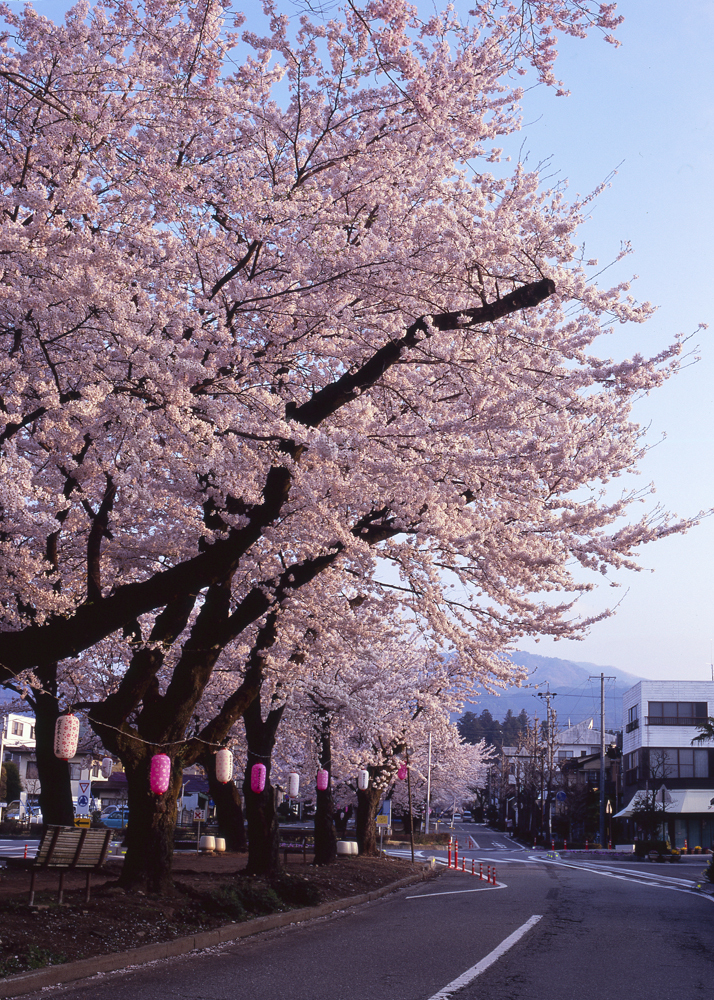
[25, 850]
[463, 864]
[473, 868]
[609, 845]
[480, 870]
[552, 844]
[565, 844]
[456, 853]
[494, 876]
[686, 849]
[587, 846]
[449, 861]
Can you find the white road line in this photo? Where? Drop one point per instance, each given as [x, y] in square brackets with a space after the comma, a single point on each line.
[459, 892]
[481, 966]
[627, 878]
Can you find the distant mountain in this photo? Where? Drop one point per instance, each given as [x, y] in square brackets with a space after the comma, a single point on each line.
[577, 696]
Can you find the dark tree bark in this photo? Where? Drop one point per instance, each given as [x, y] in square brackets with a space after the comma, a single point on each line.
[55, 788]
[366, 823]
[150, 833]
[263, 829]
[229, 808]
[325, 833]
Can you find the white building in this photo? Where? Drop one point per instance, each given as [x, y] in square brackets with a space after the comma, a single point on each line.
[660, 720]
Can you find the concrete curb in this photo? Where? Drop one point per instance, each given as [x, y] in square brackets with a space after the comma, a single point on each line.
[55, 975]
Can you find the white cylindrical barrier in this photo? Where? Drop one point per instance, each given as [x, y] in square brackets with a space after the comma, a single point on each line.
[344, 847]
[220, 845]
[207, 844]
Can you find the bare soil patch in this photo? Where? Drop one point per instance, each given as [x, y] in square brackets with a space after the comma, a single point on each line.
[209, 892]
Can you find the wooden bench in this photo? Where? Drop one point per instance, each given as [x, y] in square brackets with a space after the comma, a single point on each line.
[66, 848]
[298, 845]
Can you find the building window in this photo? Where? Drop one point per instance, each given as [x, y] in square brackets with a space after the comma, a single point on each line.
[633, 721]
[676, 762]
[75, 772]
[32, 771]
[17, 728]
[565, 754]
[676, 713]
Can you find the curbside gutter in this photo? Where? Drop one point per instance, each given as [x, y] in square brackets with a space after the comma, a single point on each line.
[55, 975]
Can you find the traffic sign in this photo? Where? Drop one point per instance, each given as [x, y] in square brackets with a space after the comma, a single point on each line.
[83, 799]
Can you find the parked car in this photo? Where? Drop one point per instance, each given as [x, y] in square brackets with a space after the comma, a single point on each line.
[115, 819]
[467, 817]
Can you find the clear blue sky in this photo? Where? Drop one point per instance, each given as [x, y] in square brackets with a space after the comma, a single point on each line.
[647, 108]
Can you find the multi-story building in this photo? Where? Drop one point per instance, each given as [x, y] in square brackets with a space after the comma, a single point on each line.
[660, 720]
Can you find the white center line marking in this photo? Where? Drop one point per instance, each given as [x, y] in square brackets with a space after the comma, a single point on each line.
[492, 957]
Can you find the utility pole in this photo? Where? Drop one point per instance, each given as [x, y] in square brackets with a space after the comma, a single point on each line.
[428, 789]
[550, 743]
[602, 755]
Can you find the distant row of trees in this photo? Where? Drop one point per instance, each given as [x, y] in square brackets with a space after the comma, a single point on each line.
[510, 733]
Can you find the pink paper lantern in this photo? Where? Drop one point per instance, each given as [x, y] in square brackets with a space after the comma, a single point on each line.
[293, 784]
[402, 772]
[160, 773]
[66, 736]
[323, 780]
[257, 778]
[224, 766]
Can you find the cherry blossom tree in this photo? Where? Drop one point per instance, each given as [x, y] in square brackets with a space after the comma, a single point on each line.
[268, 316]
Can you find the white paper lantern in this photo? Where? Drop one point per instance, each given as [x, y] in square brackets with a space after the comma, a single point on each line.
[293, 784]
[224, 766]
[107, 767]
[160, 774]
[363, 780]
[66, 736]
[323, 780]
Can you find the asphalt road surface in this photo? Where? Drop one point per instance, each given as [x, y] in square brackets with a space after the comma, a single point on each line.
[550, 929]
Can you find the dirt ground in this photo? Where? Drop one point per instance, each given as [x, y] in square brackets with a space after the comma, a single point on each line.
[209, 892]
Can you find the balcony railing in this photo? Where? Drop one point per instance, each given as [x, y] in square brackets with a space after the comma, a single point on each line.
[674, 720]
[635, 724]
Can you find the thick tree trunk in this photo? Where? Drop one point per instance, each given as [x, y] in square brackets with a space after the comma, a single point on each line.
[263, 829]
[325, 833]
[229, 808]
[53, 773]
[150, 833]
[367, 804]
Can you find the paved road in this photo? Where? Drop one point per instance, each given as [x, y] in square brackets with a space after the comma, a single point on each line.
[587, 929]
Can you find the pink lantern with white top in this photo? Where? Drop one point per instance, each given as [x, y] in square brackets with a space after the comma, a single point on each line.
[402, 772]
[224, 766]
[66, 736]
[160, 774]
[257, 778]
[323, 780]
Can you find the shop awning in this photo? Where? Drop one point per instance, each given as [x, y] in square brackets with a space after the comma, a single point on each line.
[677, 801]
